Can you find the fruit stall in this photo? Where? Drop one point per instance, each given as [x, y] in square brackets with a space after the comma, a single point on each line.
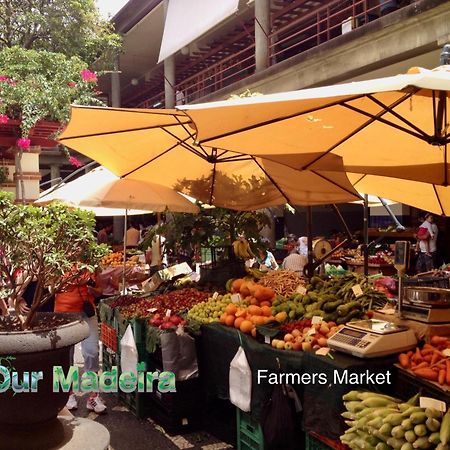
[286, 325]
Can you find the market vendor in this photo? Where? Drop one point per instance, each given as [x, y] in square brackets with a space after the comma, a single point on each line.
[133, 235]
[295, 262]
[267, 260]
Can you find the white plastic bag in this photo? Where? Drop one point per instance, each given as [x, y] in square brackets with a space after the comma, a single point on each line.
[241, 381]
[128, 352]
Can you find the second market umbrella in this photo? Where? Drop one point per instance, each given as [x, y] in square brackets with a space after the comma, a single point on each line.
[159, 145]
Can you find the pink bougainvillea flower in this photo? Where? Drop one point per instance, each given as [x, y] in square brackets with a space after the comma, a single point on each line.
[75, 162]
[71, 84]
[4, 78]
[88, 76]
[3, 119]
[23, 143]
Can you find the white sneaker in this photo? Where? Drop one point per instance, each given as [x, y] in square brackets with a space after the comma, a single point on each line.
[72, 402]
[96, 404]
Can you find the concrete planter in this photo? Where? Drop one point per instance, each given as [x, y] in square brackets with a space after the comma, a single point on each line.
[37, 351]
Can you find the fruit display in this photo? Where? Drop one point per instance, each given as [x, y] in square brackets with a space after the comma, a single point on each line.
[167, 322]
[380, 258]
[381, 422]
[251, 292]
[247, 318]
[283, 282]
[431, 362]
[210, 310]
[174, 301]
[115, 259]
[242, 250]
[304, 336]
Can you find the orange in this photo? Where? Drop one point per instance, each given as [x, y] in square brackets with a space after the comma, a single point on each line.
[238, 321]
[259, 320]
[229, 320]
[252, 301]
[281, 316]
[246, 326]
[241, 313]
[265, 303]
[231, 309]
[244, 290]
[236, 286]
[266, 310]
[254, 332]
[223, 317]
[254, 310]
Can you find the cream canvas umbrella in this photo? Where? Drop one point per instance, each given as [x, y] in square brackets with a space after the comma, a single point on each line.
[392, 127]
[159, 145]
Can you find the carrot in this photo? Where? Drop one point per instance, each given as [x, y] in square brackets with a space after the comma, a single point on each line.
[438, 340]
[417, 356]
[427, 351]
[404, 360]
[422, 365]
[427, 358]
[442, 376]
[448, 372]
[427, 373]
[428, 346]
[436, 357]
[410, 353]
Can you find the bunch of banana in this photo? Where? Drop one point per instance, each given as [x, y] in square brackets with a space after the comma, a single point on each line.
[242, 250]
[255, 273]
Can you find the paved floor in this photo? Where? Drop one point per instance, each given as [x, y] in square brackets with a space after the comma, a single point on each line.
[129, 433]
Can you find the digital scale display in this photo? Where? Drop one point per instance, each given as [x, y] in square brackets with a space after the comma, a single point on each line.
[352, 333]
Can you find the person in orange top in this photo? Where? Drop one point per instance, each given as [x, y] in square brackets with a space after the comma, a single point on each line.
[79, 298]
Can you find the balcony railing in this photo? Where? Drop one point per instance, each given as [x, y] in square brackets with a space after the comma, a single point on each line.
[288, 37]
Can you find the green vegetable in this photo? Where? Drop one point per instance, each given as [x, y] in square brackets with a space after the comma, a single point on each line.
[331, 306]
[407, 446]
[375, 402]
[411, 410]
[433, 424]
[433, 413]
[422, 442]
[351, 396]
[356, 313]
[410, 436]
[445, 429]
[420, 430]
[407, 425]
[393, 419]
[434, 438]
[418, 417]
[414, 400]
[395, 443]
[386, 429]
[398, 432]
[343, 310]
[382, 446]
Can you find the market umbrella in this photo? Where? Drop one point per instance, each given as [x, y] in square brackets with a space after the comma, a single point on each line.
[392, 127]
[427, 196]
[159, 145]
[101, 188]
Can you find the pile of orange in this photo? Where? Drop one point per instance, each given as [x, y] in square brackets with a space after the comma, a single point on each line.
[246, 319]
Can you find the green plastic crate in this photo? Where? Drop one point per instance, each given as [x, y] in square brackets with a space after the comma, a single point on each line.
[249, 432]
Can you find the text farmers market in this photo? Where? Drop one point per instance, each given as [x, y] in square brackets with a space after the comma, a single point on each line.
[340, 377]
[73, 380]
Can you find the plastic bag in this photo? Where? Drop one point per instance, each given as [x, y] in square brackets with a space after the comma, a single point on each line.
[179, 355]
[278, 421]
[128, 352]
[241, 381]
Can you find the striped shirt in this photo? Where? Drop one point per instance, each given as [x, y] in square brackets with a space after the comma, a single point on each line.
[295, 262]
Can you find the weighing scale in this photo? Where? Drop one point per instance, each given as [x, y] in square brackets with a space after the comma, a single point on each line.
[426, 304]
[372, 338]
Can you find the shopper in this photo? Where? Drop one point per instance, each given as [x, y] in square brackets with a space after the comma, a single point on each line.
[133, 235]
[103, 234]
[79, 298]
[295, 262]
[427, 247]
[302, 248]
[267, 260]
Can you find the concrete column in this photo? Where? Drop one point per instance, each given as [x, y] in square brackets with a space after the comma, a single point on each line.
[169, 73]
[169, 81]
[262, 29]
[115, 85]
[55, 174]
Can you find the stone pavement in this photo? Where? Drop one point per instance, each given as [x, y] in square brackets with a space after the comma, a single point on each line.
[130, 433]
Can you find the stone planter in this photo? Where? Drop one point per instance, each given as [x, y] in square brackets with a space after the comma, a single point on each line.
[37, 351]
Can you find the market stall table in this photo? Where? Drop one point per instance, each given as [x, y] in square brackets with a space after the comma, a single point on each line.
[322, 403]
[358, 267]
[110, 277]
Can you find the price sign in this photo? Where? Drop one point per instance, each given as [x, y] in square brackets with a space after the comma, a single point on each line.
[357, 290]
[301, 289]
[236, 298]
[152, 310]
[267, 339]
[323, 351]
[168, 312]
[311, 332]
[215, 295]
[427, 402]
[316, 319]
[446, 352]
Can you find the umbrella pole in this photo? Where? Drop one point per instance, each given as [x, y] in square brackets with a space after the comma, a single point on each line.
[366, 235]
[309, 235]
[125, 226]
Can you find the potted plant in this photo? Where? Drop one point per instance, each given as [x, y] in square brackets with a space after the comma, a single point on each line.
[37, 88]
[49, 245]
